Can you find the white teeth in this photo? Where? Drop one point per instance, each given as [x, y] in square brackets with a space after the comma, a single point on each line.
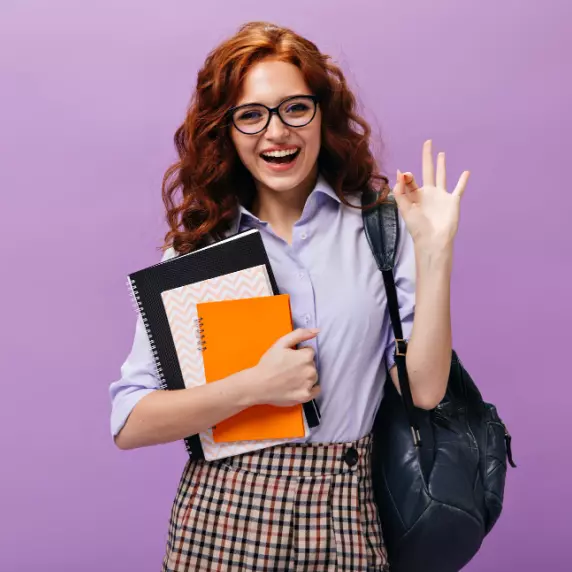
[283, 153]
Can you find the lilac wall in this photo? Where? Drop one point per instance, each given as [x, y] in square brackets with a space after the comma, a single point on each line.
[90, 96]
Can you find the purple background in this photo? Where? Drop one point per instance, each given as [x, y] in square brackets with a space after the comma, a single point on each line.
[90, 96]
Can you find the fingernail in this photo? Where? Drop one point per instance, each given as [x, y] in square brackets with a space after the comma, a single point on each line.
[314, 330]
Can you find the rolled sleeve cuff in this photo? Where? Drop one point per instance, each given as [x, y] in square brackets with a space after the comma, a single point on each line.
[123, 406]
[138, 379]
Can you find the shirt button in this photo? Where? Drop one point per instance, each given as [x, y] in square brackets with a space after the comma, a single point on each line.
[307, 318]
[301, 274]
[303, 236]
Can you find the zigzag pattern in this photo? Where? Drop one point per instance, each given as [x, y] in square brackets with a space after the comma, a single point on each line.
[180, 307]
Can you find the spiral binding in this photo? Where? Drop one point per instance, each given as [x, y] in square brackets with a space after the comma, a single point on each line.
[136, 302]
[200, 334]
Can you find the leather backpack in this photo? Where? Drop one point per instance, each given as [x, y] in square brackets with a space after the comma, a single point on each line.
[439, 475]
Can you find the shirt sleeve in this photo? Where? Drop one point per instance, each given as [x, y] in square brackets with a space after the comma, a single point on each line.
[138, 375]
[404, 275]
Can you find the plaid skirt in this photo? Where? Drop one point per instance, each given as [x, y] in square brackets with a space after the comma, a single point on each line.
[291, 507]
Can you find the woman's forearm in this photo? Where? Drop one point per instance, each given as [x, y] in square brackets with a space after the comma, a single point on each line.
[430, 345]
[166, 416]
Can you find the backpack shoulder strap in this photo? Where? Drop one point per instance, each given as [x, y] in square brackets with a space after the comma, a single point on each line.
[381, 226]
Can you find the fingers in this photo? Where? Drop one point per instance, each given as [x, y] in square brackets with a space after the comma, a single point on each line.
[312, 393]
[292, 339]
[315, 392]
[441, 178]
[311, 388]
[401, 192]
[399, 189]
[462, 184]
[428, 170]
[410, 183]
[308, 352]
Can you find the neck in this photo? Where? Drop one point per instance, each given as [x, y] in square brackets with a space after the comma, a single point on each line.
[281, 209]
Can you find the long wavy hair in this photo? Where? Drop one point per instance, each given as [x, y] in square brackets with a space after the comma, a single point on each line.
[202, 190]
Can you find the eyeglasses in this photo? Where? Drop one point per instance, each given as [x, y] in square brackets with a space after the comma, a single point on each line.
[295, 111]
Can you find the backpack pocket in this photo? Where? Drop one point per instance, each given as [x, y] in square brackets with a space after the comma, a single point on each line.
[497, 450]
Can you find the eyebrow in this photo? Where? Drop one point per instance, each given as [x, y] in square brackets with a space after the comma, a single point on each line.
[278, 100]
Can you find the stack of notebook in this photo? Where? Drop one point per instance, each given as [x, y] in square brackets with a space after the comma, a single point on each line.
[209, 314]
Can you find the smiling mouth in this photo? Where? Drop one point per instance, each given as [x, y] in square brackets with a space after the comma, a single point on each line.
[281, 157]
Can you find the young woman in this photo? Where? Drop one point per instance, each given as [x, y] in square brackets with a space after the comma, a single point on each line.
[272, 141]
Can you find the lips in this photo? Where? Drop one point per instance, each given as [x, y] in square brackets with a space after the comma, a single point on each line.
[280, 156]
[280, 152]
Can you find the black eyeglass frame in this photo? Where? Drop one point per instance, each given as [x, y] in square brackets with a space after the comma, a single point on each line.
[274, 110]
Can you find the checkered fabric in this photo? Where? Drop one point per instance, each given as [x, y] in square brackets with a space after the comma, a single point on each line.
[288, 508]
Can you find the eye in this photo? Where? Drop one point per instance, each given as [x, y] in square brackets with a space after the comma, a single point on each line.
[249, 115]
[298, 107]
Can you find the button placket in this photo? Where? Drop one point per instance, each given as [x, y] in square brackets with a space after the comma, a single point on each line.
[304, 311]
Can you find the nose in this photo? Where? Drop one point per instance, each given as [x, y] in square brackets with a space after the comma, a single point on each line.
[276, 128]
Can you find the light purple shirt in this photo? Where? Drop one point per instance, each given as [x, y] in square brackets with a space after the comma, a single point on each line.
[334, 284]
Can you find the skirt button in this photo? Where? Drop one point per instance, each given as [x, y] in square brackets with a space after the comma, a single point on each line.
[351, 456]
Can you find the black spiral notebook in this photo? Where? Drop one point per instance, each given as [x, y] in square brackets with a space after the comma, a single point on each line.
[238, 252]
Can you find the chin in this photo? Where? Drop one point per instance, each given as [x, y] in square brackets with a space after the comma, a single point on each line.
[285, 182]
[282, 184]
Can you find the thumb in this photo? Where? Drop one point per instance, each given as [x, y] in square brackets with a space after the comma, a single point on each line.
[292, 339]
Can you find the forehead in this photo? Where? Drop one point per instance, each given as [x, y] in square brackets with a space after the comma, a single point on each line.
[270, 82]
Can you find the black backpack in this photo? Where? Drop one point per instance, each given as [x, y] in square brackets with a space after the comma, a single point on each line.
[439, 475]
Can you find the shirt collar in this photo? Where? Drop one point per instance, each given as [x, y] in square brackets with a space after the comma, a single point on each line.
[322, 188]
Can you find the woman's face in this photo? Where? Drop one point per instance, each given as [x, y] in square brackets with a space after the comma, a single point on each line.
[281, 158]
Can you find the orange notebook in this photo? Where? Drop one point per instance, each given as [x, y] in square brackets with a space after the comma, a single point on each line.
[235, 334]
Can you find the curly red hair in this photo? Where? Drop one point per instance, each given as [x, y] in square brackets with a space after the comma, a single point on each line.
[209, 174]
